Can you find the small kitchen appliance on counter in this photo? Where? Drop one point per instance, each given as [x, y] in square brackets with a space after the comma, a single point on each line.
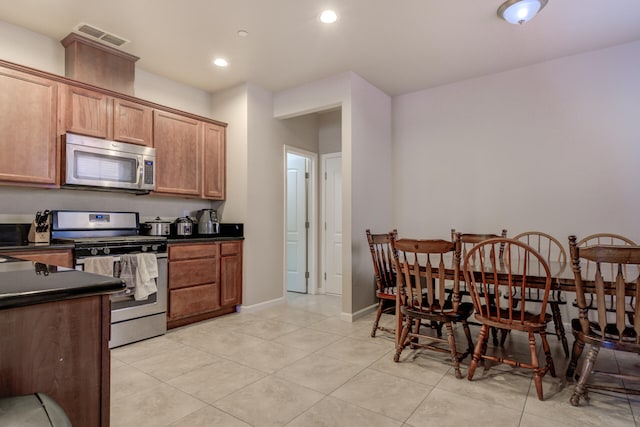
[208, 222]
[156, 227]
[183, 227]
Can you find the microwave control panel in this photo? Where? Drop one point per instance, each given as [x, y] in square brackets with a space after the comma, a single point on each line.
[148, 172]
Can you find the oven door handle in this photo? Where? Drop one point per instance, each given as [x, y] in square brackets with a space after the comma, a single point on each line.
[116, 258]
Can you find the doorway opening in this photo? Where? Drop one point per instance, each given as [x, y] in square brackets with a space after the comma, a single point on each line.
[300, 221]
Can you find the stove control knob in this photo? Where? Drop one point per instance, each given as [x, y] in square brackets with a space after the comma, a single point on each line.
[94, 251]
[145, 248]
[154, 247]
[106, 251]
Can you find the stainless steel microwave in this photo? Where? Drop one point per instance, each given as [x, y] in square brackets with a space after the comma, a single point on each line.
[100, 164]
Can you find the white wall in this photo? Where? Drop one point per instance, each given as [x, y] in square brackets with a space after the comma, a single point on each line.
[329, 132]
[366, 149]
[551, 147]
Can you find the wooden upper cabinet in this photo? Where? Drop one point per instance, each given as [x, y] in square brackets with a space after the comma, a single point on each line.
[214, 162]
[132, 122]
[91, 113]
[87, 112]
[177, 140]
[28, 136]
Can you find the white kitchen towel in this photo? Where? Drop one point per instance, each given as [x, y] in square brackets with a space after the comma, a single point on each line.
[128, 268]
[99, 265]
[146, 276]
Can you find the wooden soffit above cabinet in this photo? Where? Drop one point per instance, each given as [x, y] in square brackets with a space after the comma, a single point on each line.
[92, 62]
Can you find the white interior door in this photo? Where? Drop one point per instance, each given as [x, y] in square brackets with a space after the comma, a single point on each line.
[333, 223]
[296, 223]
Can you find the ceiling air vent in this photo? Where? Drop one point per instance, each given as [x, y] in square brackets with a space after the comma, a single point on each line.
[100, 35]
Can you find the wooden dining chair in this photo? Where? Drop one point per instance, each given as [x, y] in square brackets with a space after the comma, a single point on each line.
[422, 273]
[510, 272]
[616, 276]
[385, 277]
[552, 251]
[467, 241]
[589, 266]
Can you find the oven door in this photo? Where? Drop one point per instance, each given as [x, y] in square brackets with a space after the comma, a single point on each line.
[125, 307]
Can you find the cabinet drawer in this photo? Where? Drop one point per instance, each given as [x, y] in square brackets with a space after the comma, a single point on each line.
[231, 248]
[59, 258]
[194, 300]
[207, 250]
[192, 272]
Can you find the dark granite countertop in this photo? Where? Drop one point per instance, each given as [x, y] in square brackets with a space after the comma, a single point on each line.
[26, 246]
[27, 283]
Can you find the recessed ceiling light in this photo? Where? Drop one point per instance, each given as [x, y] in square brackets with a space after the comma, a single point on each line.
[328, 17]
[220, 62]
[243, 33]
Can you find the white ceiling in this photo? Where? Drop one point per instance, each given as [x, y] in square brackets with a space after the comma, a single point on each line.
[398, 45]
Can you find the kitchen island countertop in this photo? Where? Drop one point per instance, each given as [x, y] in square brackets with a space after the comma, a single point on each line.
[25, 283]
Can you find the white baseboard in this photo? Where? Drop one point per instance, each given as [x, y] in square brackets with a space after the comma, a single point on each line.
[261, 306]
[352, 317]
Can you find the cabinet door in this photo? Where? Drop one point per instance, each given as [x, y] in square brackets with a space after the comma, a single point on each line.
[28, 111]
[231, 273]
[194, 300]
[214, 162]
[178, 154]
[61, 258]
[132, 122]
[87, 112]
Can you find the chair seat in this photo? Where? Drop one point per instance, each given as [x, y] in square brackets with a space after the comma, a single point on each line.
[592, 305]
[529, 320]
[465, 309]
[387, 293]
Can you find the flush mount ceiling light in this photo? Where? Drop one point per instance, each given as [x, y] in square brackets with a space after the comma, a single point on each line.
[220, 62]
[328, 17]
[520, 11]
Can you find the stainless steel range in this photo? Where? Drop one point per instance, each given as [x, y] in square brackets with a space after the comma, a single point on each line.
[101, 237]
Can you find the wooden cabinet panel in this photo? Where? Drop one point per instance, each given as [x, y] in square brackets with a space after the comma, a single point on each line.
[61, 349]
[206, 250]
[87, 112]
[194, 300]
[177, 140]
[192, 272]
[61, 258]
[214, 162]
[28, 134]
[132, 123]
[231, 273]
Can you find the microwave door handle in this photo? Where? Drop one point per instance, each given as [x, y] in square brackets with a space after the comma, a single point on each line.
[140, 172]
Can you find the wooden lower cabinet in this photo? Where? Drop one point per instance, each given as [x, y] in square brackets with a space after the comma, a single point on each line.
[205, 281]
[61, 258]
[62, 349]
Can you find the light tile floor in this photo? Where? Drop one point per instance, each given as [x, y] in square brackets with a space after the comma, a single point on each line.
[299, 364]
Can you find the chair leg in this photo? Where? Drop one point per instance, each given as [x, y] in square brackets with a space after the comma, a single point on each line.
[401, 342]
[581, 388]
[537, 377]
[494, 335]
[547, 352]
[453, 349]
[557, 322]
[478, 352]
[378, 314]
[576, 352]
[467, 333]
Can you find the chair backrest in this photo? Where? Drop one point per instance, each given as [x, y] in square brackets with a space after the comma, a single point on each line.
[615, 282]
[545, 244]
[382, 257]
[422, 265]
[512, 270]
[468, 240]
[605, 239]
